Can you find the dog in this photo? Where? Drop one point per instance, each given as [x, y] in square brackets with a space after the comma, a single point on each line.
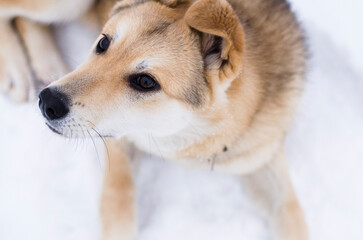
[214, 83]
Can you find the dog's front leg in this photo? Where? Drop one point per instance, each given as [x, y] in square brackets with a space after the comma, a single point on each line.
[272, 190]
[15, 72]
[117, 202]
[44, 56]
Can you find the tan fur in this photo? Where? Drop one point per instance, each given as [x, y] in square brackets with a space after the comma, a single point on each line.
[26, 66]
[39, 42]
[118, 196]
[230, 75]
[15, 73]
[44, 10]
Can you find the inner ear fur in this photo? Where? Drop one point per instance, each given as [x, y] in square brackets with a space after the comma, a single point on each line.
[222, 36]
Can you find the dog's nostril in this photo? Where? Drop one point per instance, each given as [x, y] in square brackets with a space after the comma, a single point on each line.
[50, 113]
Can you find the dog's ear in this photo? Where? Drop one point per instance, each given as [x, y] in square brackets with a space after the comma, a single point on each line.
[222, 37]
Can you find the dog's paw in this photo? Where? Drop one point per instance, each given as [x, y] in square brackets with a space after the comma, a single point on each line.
[16, 78]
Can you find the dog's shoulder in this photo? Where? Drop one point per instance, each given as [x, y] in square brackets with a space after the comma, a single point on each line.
[276, 47]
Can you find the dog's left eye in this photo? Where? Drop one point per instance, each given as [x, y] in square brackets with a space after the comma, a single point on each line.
[143, 83]
[103, 44]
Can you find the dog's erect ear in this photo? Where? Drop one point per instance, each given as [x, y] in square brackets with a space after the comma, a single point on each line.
[222, 37]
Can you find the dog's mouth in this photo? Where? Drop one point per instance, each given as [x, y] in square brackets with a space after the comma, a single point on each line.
[73, 128]
[53, 129]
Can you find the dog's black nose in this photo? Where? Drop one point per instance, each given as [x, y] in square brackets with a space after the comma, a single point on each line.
[53, 104]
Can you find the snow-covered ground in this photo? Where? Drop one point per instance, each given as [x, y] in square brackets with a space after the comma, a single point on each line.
[49, 186]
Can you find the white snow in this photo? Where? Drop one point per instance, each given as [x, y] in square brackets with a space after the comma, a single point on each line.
[49, 186]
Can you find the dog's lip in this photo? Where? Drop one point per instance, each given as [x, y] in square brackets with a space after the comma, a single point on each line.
[53, 129]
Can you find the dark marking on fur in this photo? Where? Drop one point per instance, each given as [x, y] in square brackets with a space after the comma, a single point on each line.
[159, 28]
[79, 104]
[194, 95]
[225, 149]
[141, 66]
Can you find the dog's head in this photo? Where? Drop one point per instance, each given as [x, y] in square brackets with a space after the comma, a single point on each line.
[157, 66]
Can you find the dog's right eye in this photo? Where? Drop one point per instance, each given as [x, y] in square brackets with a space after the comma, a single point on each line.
[103, 44]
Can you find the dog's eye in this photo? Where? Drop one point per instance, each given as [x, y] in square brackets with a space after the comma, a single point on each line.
[143, 82]
[103, 44]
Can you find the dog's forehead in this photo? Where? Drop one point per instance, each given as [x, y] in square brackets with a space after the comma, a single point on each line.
[149, 17]
[120, 26]
[145, 34]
